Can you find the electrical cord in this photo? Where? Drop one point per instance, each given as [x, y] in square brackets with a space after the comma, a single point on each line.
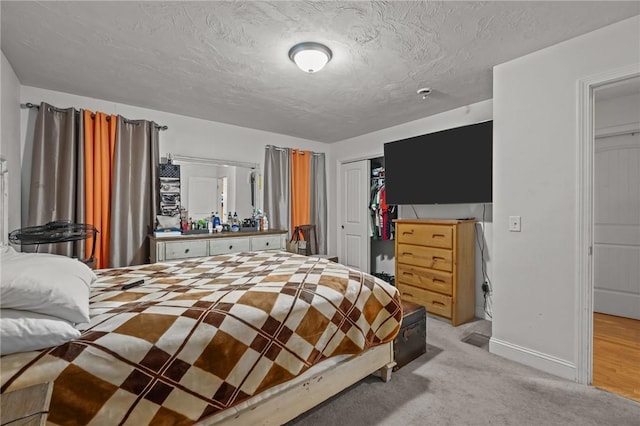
[487, 287]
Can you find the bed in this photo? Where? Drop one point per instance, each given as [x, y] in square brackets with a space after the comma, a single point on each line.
[245, 338]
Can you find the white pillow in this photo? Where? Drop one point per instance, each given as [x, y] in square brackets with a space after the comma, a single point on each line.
[45, 283]
[22, 331]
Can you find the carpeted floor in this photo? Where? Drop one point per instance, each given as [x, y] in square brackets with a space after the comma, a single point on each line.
[458, 383]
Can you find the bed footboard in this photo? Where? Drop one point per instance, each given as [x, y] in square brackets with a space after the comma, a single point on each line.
[305, 393]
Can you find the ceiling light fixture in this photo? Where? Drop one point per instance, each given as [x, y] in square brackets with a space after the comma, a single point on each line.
[310, 56]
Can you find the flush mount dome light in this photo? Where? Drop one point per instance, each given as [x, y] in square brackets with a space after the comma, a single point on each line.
[310, 56]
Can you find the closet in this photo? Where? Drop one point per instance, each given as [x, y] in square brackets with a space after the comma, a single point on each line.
[381, 226]
[366, 233]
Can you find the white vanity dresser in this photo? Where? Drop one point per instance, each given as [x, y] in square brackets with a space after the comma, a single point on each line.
[226, 187]
[200, 245]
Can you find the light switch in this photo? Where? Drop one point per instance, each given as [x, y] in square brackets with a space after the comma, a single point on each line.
[514, 223]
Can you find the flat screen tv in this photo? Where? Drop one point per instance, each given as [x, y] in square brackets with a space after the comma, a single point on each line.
[452, 166]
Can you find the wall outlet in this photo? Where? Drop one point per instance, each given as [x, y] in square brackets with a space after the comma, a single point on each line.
[514, 223]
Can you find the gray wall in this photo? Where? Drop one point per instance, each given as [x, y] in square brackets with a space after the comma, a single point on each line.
[535, 148]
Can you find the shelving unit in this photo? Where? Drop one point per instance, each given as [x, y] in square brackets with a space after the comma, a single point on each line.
[169, 175]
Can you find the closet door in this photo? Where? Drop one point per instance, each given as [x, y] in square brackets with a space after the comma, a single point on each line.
[353, 215]
[617, 225]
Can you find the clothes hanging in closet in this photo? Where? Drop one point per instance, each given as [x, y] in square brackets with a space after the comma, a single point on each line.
[382, 214]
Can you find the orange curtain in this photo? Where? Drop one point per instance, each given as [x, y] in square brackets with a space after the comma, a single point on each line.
[300, 189]
[99, 147]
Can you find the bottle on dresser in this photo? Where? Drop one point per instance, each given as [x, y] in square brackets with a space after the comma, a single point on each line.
[265, 223]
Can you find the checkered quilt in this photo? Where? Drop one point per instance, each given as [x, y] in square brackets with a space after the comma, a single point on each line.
[202, 335]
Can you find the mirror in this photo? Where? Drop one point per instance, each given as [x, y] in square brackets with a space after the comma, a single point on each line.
[214, 185]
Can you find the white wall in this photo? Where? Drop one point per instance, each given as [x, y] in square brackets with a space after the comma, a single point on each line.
[619, 111]
[185, 136]
[535, 176]
[10, 140]
[371, 146]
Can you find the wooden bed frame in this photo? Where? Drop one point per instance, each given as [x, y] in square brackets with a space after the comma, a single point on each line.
[304, 392]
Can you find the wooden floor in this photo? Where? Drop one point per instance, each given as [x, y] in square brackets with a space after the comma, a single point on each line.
[616, 355]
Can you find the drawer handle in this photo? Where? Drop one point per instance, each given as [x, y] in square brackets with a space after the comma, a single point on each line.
[407, 232]
[406, 253]
[435, 302]
[437, 235]
[186, 251]
[436, 280]
[267, 243]
[407, 273]
[438, 258]
[408, 294]
[230, 247]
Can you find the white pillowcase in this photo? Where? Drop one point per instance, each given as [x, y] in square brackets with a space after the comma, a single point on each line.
[22, 331]
[45, 283]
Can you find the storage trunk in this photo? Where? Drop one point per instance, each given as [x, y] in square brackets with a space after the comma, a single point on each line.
[411, 342]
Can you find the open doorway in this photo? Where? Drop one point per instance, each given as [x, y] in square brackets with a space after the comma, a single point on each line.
[616, 238]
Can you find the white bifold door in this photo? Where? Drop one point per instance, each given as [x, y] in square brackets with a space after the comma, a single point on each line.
[617, 225]
[353, 216]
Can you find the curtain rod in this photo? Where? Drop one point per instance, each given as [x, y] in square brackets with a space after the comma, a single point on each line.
[34, 106]
[277, 148]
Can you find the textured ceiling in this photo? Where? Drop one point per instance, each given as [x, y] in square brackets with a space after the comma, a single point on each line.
[227, 61]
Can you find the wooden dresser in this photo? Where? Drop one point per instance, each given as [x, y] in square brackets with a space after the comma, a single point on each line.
[201, 245]
[435, 266]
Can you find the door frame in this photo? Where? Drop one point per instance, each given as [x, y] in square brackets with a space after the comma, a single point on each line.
[584, 243]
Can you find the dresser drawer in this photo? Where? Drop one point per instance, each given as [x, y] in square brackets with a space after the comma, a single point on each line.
[271, 242]
[184, 249]
[428, 279]
[428, 257]
[428, 235]
[435, 303]
[228, 245]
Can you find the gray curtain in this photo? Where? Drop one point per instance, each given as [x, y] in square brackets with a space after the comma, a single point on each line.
[318, 199]
[134, 199]
[57, 173]
[277, 187]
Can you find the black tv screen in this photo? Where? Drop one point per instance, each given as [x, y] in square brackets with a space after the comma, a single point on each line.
[452, 166]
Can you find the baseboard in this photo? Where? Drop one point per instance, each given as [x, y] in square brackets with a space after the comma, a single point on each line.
[535, 359]
[616, 303]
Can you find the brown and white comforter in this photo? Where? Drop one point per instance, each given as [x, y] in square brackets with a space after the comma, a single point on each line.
[202, 335]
